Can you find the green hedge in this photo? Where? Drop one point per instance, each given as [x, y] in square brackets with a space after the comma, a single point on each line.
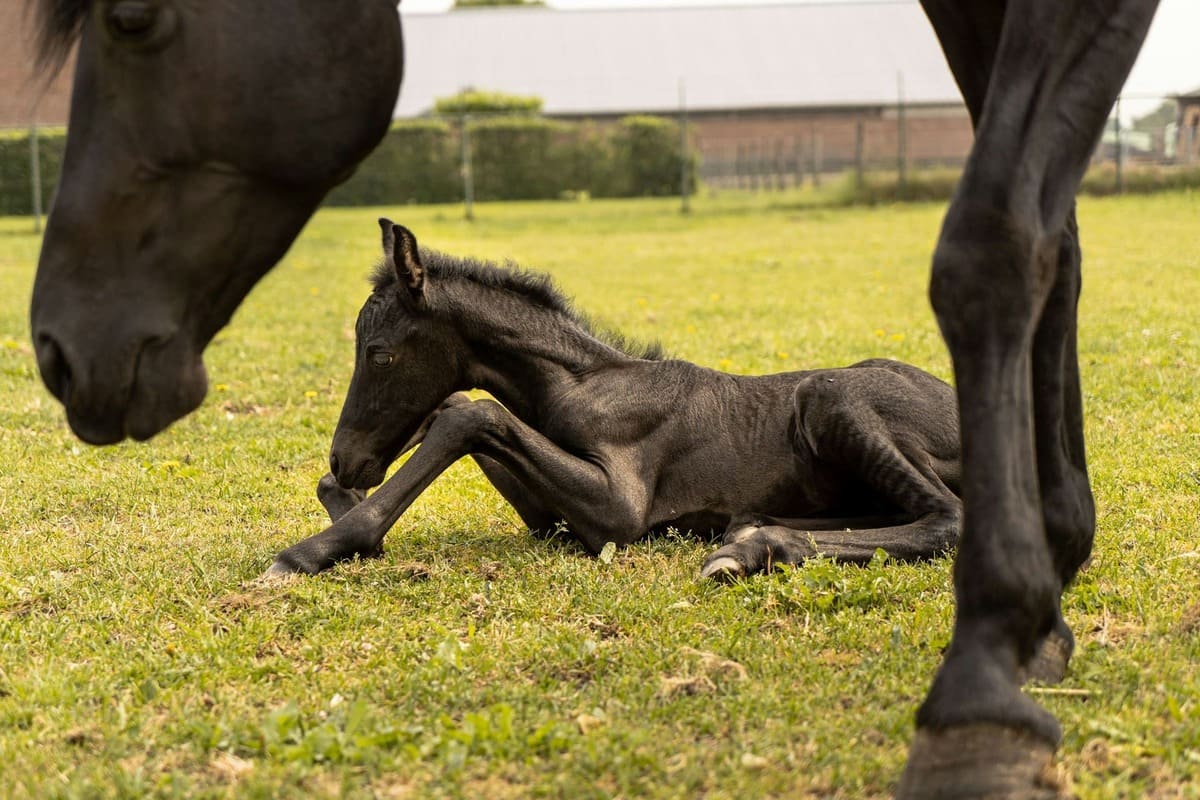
[647, 157]
[513, 157]
[519, 157]
[417, 162]
[16, 190]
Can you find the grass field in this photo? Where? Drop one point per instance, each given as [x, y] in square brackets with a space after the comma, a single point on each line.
[137, 659]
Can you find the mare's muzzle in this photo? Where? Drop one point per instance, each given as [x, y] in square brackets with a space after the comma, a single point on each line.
[120, 383]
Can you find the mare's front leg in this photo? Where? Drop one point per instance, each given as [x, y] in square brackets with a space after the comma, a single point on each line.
[1039, 79]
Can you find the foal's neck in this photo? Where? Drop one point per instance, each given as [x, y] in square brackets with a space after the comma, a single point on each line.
[525, 354]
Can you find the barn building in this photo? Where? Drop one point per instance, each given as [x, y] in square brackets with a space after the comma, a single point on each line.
[835, 82]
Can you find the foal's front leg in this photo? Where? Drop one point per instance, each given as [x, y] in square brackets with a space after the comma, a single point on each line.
[599, 510]
[358, 528]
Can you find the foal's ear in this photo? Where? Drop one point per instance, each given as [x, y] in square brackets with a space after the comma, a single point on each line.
[400, 248]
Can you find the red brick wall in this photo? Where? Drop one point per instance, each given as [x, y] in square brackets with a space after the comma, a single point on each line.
[935, 135]
[24, 96]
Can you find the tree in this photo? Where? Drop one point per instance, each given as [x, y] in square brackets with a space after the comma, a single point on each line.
[478, 101]
[482, 3]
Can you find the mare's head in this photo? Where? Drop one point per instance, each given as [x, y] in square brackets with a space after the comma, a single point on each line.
[407, 360]
[202, 135]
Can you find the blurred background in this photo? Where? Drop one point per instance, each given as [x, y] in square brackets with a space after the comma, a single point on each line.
[849, 101]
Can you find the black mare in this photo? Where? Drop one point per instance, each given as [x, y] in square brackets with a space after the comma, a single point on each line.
[836, 461]
[169, 183]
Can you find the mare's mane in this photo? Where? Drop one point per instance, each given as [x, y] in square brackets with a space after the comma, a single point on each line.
[536, 288]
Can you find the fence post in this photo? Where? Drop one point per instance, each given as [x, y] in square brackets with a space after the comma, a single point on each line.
[901, 139]
[817, 159]
[797, 162]
[859, 147]
[684, 189]
[1120, 154]
[467, 176]
[35, 178]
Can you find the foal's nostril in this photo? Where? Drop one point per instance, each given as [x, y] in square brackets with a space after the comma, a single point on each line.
[334, 464]
[52, 363]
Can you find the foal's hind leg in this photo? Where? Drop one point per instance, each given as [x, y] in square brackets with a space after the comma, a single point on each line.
[837, 420]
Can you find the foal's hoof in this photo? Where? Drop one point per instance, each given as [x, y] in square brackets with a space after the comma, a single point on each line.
[981, 762]
[1049, 663]
[723, 569]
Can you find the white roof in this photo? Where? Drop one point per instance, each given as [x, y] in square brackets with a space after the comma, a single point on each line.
[730, 57]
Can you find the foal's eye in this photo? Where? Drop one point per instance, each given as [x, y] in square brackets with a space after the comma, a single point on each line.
[382, 359]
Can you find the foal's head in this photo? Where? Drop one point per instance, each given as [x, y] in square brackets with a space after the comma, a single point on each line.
[407, 360]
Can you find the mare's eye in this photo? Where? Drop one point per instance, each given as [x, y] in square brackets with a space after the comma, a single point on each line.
[133, 20]
[382, 359]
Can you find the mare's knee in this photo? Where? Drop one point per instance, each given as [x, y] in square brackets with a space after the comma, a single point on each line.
[991, 273]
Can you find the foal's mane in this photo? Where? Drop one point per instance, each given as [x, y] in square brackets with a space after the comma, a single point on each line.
[536, 288]
[58, 25]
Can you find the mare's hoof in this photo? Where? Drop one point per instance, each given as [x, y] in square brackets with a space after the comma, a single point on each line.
[723, 569]
[278, 573]
[978, 762]
[1049, 663]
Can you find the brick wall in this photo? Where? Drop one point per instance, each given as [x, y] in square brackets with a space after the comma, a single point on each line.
[934, 135]
[24, 96]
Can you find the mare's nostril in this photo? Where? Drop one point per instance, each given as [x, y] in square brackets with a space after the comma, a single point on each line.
[52, 363]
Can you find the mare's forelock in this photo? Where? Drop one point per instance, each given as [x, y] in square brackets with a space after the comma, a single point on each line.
[58, 26]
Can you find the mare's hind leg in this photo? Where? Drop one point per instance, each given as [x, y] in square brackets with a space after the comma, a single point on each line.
[1039, 79]
[859, 426]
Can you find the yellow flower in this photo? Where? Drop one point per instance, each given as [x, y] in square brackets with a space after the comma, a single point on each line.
[222, 387]
[310, 394]
[724, 364]
[714, 297]
[782, 355]
[879, 331]
[641, 301]
[897, 337]
[314, 291]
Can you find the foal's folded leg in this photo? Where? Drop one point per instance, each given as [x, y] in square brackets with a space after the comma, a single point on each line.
[360, 530]
[599, 508]
[537, 517]
[336, 499]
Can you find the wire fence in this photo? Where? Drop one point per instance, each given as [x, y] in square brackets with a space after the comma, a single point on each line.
[1150, 142]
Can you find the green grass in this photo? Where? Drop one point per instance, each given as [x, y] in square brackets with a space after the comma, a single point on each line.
[474, 661]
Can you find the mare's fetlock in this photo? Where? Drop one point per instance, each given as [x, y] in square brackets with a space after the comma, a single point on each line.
[974, 686]
[1050, 660]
